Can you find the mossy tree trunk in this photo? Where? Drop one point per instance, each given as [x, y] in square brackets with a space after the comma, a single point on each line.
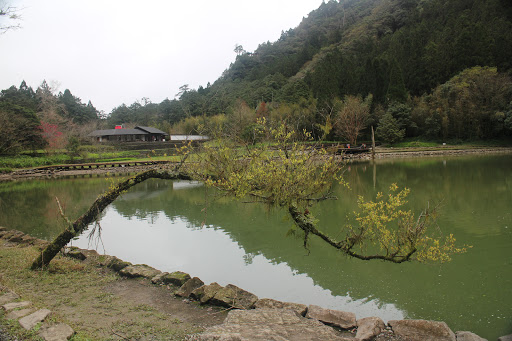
[81, 224]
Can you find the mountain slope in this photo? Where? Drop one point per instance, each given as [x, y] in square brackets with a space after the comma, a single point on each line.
[369, 46]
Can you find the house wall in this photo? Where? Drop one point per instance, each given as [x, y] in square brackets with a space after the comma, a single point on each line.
[130, 138]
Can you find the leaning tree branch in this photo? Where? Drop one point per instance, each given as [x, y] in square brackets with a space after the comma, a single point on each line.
[307, 225]
[81, 224]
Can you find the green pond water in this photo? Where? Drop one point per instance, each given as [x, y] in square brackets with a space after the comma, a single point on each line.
[168, 226]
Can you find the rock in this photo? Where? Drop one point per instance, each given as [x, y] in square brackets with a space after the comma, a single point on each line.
[105, 260]
[90, 253]
[26, 239]
[74, 252]
[269, 324]
[206, 292]
[139, 270]
[342, 319]
[58, 332]
[16, 305]
[233, 296]
[117, 264]
[80, 254]
[186, 289]
[6, 234]
[505, 338]
[369, 327]
[28, 322]
[16, 314]
[468, 336]
[15, 236]
[269, 303]
[41, 244]
[177, 278]
[422, 330]
[8, 297]
[3, 228]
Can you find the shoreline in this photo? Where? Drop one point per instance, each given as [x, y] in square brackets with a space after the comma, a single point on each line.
[232, 313]
[381, 153]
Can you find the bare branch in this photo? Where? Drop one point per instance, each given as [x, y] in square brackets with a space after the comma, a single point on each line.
[10, 13]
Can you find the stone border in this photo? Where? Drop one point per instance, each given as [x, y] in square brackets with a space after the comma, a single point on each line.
[242, 304]
[29, 318]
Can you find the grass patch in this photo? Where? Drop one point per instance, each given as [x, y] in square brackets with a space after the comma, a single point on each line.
[415, 144]
[10, 163]
[25, 161]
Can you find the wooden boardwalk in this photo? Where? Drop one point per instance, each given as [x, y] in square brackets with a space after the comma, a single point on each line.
[97, 165]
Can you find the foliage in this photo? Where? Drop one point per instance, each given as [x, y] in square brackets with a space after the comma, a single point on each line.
[240, 121]
[290, 174]
[25, 161]
[52, 135]
[415, 144]
[298, 116]
[389, 129]
[403, 115]
[19, 125]
[74, 109]
[73, 146]
[395, 232]
[471, 105]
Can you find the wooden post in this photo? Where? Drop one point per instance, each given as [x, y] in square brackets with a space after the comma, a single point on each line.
[373, 144]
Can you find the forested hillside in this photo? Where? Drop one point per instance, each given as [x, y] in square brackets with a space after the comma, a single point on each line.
[389, 48]
[432, 69]
[404, 53]
[41, 119]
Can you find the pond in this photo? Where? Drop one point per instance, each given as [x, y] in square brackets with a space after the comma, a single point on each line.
[169, 226]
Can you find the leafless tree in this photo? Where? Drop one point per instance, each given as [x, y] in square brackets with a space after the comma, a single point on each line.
[352, 116]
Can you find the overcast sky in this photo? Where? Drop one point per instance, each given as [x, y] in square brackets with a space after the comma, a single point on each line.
[117, 51]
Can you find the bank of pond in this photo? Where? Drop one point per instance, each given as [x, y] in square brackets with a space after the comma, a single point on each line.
[173, 226]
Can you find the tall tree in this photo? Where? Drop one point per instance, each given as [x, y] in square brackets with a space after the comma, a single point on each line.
[351, 117]
[75, 109]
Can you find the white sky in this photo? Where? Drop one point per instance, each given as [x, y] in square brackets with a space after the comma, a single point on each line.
[118, 51]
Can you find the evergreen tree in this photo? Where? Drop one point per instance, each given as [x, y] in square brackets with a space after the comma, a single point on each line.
[389, 130]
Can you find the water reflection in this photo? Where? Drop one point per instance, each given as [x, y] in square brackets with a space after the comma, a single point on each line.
[211, 254]
[160, 223]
